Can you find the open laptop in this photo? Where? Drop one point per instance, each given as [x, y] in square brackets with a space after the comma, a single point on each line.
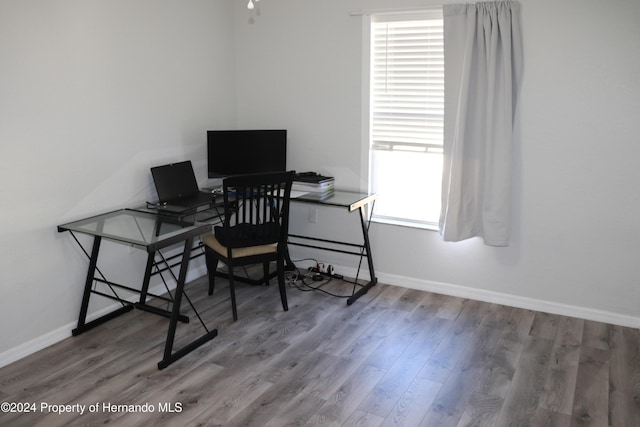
[178, 189]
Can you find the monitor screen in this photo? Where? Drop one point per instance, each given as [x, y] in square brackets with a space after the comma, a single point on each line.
[238, 152]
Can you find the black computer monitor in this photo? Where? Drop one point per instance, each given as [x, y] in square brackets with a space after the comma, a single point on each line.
[238, 152]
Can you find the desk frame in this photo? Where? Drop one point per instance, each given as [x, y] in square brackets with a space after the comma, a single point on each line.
[174, 315]
[359, 203]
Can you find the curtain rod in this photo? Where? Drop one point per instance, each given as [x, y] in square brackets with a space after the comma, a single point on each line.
[413, 9]
[392, 11]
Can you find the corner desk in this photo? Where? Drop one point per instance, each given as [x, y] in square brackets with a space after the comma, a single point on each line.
[154, 230]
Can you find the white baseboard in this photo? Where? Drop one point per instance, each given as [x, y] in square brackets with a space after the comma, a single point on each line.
[512, 300]
[498, 298]
[36, 344]
[64, 332]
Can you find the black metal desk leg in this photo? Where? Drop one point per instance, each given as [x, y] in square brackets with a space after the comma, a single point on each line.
[147, 277]
[169, 355]
[93, 261]
[367, 248]
[82, 325]
[367, 245]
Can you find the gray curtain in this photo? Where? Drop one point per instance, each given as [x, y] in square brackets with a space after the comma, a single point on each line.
[483, 56]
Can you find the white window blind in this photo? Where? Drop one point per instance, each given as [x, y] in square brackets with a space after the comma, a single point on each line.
[408, 76]
[407, 114]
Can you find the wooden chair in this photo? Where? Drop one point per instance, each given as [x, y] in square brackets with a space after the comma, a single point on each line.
[254, 230]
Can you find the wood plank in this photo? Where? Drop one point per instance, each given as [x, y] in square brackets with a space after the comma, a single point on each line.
[228, 399]
[413, 404]
[374, 335]
[500, 368]
[523, 396]
[408, 300]
[363, 419]
[560, 383]
[597, 335]
[343, 403]
[591, 403]
[269, 404]
[452, 347]
[548, 418]
[624, 377]
[454, 396]
[482, 410]
[545, 325]
[385, 395]
[295, 412]
[396, 343]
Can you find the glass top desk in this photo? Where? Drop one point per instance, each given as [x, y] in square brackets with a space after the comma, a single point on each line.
[352, 201]
[150, 232]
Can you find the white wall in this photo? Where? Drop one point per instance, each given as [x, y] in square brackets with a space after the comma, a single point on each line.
[93, 93]
[576, 235]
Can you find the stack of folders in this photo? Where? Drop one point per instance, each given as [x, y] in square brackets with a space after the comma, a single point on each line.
[313, 183]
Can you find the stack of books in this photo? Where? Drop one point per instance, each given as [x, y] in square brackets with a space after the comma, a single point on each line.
[313, 183]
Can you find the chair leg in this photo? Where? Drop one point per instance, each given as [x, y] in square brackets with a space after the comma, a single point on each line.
[232, 291]
[281, 284]
[212, 265]
[265, 270]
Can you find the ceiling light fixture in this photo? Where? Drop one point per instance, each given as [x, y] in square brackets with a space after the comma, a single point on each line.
[250, 4]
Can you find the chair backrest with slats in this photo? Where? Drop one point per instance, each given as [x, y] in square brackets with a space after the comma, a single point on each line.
[256, 209]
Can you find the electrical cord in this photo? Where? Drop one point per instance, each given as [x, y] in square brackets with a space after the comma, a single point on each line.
[297, 280]
[294, 276]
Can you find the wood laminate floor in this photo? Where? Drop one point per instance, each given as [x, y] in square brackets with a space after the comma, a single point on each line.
[395, 357]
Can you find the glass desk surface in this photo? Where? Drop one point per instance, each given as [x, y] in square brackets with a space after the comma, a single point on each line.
[134, 227]
[351, 200]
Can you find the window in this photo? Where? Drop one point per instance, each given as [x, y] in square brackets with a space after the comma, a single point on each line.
[407, 117]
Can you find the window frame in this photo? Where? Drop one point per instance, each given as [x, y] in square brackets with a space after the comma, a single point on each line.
[372, 145]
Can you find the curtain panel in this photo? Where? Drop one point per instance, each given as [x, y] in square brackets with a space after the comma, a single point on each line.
[483, 56]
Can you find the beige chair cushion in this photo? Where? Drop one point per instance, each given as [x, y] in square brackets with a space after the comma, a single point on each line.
[211, 241]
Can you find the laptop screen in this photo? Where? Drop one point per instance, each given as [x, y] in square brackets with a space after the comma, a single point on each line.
[175, 181]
